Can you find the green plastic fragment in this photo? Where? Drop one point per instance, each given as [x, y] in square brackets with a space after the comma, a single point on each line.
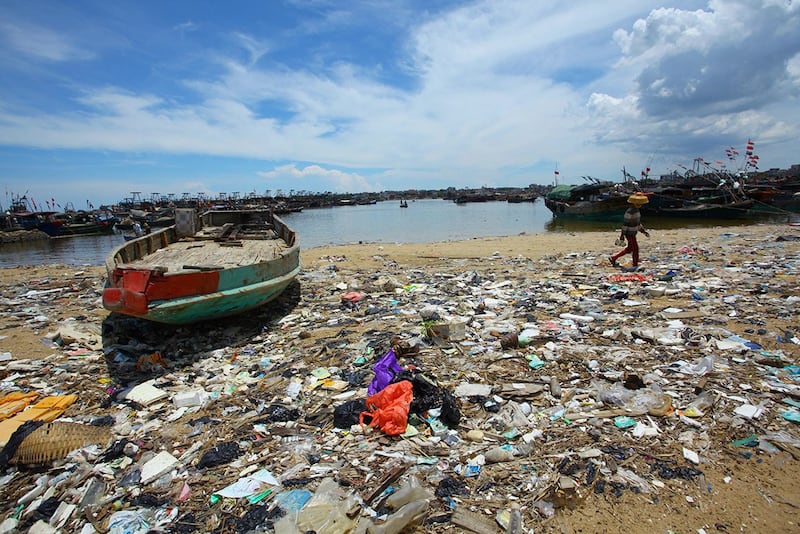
[260, 496]
[749, 441]
[791, 415]
[623, 421]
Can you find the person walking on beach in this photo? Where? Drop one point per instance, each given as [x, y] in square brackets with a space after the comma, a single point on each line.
[631, 226]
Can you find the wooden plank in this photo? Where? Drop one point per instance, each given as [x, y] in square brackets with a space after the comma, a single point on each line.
[390, 477]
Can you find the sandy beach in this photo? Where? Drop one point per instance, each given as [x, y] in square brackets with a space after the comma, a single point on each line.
[754, 492]
[535, 246]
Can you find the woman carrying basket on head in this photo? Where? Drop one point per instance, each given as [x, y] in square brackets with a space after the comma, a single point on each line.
[631, 226]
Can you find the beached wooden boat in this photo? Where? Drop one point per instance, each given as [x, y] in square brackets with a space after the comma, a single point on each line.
[219, 264]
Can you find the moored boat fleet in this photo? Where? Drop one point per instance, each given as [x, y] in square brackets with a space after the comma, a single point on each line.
[714, 194]
[70, 222]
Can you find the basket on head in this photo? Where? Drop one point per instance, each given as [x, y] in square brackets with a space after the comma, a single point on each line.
[638, 199]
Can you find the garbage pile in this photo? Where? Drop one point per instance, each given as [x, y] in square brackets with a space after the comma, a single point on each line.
[479, 396]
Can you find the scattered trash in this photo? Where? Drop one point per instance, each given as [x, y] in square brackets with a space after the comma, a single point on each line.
[447, 398]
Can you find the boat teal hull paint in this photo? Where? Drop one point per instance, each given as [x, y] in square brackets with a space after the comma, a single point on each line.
[219, 304]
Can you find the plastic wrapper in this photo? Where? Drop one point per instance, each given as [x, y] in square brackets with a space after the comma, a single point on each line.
[388, 409]
[385, 370]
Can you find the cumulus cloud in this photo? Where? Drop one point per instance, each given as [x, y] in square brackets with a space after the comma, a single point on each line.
[337, 180]
[723, 67]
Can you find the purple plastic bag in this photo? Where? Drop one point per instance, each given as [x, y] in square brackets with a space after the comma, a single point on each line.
[385, 369]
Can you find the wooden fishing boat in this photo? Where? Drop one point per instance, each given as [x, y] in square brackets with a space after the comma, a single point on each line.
[219, 264]
[699, 210]
[597, 201]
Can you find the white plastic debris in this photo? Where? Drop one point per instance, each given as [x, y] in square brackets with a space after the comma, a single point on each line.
[160, 464]
[146, 393]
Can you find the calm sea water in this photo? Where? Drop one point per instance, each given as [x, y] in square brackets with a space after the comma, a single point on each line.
[424, 221]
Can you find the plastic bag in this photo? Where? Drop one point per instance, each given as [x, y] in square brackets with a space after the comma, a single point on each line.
[389, 408]
[347, 414]
[385, 369]
[428, 394]
[221, 454]
[412, 491]
[324, 513]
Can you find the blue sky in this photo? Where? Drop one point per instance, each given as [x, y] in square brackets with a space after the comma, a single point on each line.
[99, 98]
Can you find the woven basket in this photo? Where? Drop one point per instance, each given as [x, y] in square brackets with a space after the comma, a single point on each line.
[53, 441]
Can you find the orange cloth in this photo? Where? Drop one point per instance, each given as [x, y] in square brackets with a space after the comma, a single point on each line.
[47, 409]
[14, 402]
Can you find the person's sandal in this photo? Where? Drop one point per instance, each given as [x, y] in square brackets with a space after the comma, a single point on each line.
[613, 262]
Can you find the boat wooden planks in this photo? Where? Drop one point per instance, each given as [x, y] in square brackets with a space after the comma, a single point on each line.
[209, 254]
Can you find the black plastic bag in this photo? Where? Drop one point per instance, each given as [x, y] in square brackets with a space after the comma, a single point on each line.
[346, 415]
[221, 454]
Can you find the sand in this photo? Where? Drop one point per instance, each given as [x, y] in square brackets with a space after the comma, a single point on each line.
[532, 246]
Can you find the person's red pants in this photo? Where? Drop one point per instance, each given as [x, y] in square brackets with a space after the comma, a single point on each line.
[632, 248]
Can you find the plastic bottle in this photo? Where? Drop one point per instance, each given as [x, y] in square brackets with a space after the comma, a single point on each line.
[577, 318]
[499, 454]
[555, 387]
[514, 520]
[409, 514]
[701, 403]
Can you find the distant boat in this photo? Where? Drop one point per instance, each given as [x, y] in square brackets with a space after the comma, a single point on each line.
[475, 197]
[607, 201]
[698, 210]
[76, 224]
[595, 201]
[403, 204]
[221, 264]
[517, 199]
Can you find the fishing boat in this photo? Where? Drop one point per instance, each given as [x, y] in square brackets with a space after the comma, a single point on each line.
[739, 209]
[695, 198]
[217, 264]
[78, 223]
[596, 201]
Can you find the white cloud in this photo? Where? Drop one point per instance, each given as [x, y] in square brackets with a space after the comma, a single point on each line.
[336, 180]
[725, 70]
[41, 43]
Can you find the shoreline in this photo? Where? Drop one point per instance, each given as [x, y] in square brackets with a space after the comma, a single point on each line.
[532, 245]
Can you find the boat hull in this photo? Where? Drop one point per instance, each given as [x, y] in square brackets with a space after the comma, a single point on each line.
[197, 308]
[100, 228]
[598, 210]
[733, 210]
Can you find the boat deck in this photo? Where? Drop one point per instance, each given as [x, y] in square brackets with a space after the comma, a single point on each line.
[214, 248]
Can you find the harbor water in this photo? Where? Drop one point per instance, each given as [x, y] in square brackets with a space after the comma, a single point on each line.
[424, 221]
